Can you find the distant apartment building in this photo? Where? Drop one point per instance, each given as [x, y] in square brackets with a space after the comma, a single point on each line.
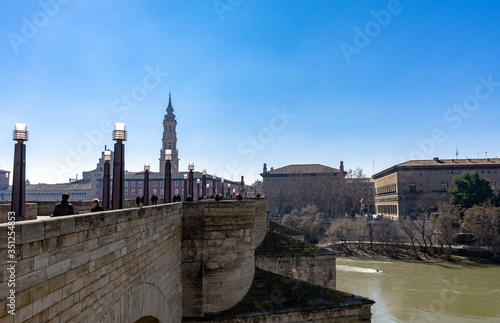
[401, 189]
[296, 186]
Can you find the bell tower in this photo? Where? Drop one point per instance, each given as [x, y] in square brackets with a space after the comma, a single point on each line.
[169, 140]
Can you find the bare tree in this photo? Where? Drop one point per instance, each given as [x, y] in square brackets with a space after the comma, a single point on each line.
[484, 223]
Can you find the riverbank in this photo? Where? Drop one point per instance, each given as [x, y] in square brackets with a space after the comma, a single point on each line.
[458, 253]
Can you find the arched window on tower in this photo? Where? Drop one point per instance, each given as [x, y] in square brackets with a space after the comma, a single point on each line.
[169, 145]
[169, 128]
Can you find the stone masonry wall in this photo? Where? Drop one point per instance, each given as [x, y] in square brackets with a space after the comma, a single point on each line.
[318, 269]
[113, 266]
[30, 212]
[261, 220]
[218, 254]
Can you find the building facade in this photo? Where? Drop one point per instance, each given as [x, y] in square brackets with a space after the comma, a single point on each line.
[296, 186]
[404, 188]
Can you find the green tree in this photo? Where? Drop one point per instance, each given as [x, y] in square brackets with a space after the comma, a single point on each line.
[468, 190]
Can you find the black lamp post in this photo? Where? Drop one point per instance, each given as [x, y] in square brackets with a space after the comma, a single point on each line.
[228, 189]
[222, 186]
[214, 184]
[185, 186]
[168, 176]
[191, 180]
[198, 187]
[18, 205]
[106, 179]
[204, 182]
[119, 135]
[147, 167]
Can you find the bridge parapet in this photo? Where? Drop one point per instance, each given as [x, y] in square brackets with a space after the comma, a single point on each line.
[93, 267]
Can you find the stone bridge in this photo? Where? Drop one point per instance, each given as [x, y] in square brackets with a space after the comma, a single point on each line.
[149, 264]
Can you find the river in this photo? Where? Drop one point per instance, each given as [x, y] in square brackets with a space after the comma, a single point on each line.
[410, 291]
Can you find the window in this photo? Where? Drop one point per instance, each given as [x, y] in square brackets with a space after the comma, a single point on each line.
[176, 184]
[140, 184]
[169, 128]
[176, 191]
[154, 191]
[126, 184]
[413, 187]
[161, 183]
[133, 191]
[126, 192]
[140, 191]
[435, 173]
[133, 184]
[429, 173]
[444, 186]
[154, 183]
[161, 191]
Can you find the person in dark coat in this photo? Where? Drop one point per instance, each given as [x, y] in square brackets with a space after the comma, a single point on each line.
[95, 206]
[138, 200]
[63, 208]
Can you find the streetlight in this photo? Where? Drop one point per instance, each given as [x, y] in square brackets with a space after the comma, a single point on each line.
[167, 196]
[204, 182]
[147, 167]
[106, 179]
[228, 189]
[214, 184]
[191, 181]
[242, 186]
[18, 205]
[198, 187]
[119, 135]
[222, 186]
[185, 186]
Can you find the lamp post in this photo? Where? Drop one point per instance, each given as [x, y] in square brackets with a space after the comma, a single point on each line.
[214, 184]
[18, 205]
[208, 187]
[204, 182]
[198, 187]
[228, 189]
[119, 135]
[222, 186]
[106, 179]
[185, 186]
[242, 187]
[191, 181]
[167, 196]
[147, 167]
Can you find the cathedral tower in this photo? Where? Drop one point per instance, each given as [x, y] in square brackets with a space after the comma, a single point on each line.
[169, 140]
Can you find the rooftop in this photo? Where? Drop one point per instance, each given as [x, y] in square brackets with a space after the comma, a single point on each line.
[436, 162]
[304, 169]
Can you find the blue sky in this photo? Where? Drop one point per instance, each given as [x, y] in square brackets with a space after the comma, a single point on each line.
[372, 83]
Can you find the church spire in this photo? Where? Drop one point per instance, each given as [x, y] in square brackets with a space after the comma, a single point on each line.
[170, 108]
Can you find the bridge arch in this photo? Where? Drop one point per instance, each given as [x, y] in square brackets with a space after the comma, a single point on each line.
[142, 303]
